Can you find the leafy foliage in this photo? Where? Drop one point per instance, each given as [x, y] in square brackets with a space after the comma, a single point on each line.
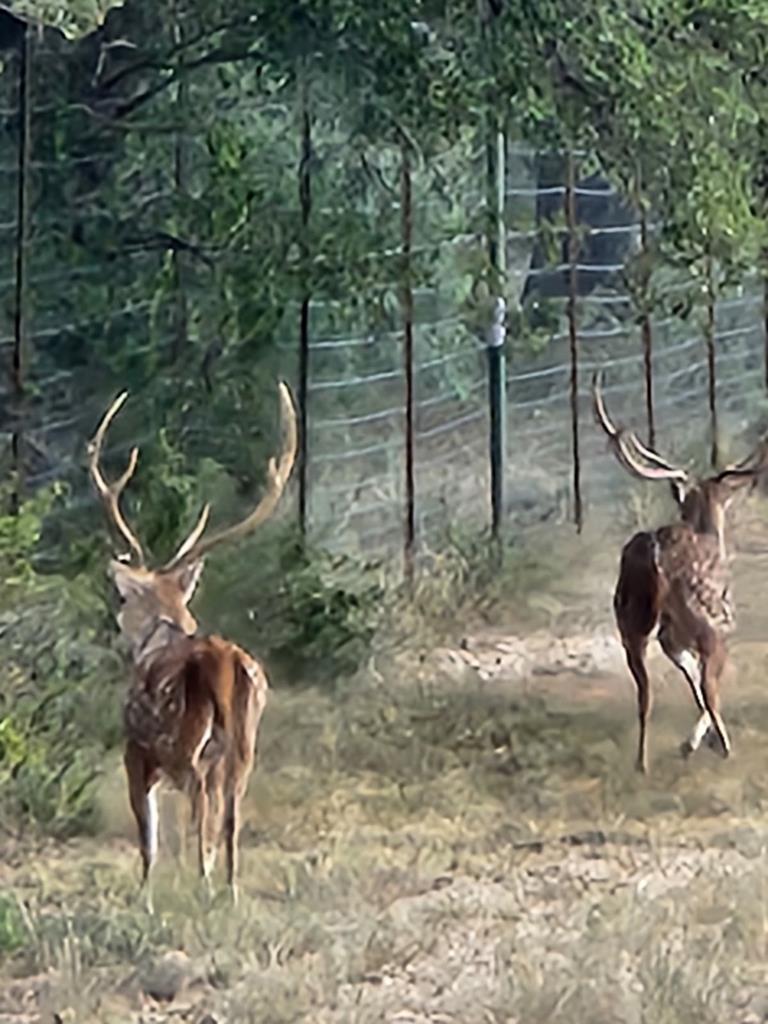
[72, 17]
[310, 615]
[199, 170]
[58, 711]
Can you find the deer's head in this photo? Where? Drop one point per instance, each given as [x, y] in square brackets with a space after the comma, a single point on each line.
[154, 601]
[703, 501]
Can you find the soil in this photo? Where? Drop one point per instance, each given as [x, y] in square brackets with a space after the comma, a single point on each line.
[462, 837]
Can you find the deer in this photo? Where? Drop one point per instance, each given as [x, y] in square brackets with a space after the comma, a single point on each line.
[193, 708]
[674, 582]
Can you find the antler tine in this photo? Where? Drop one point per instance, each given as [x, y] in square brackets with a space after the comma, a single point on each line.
[598, 404]
[623, 441]
[754, 463]
[660, 472]
[278, 473]
[652, 456]
[194, 536]
[110, 493]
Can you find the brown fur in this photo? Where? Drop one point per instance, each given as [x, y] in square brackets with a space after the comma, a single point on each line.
[194, 707]
[641, 587]
[675, 578]
[193, 684]
[192, 715]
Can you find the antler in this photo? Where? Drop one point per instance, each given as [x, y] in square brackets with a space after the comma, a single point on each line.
[278, 473]
[756, 462]
[110, 493]
[626, 446]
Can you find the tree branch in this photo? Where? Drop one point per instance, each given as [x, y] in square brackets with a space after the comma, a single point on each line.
[165, 63]
[214, 57]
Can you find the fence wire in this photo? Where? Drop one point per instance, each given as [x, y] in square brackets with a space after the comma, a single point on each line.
[118, 290]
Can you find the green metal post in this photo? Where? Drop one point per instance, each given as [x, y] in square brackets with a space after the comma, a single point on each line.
[497, 370]
[497, 252]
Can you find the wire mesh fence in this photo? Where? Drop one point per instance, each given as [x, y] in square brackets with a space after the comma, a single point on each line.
[117, 285]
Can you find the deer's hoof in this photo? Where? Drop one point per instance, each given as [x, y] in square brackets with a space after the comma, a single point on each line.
[715, 743]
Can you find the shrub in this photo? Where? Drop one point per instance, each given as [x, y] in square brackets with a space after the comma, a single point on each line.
[58, 708]
[305, 612]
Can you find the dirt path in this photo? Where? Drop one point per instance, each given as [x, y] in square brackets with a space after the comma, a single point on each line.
[460, 838]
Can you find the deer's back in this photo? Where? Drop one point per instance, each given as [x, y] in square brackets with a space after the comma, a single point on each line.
[696, 573]
[193, 688]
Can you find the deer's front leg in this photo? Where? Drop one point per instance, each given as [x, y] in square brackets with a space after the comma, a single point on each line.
[712, 664]
[142, 778]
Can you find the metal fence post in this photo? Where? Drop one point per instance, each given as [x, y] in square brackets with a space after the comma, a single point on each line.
[305, 202]
[19, 356]
[709, 331]
[497, 372]
[406, 214]
[180, 175]
[646, 329]
[497, 390]
[569, 202]
[495, 152]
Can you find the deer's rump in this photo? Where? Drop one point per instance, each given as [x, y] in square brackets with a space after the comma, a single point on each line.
[168, 703]
[194, 694]
[641, 588]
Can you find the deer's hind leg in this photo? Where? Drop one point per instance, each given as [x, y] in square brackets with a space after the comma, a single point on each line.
[710, 649]
[637, 603]
[251, 700]
[712, 653]
[214, 785]
[689, 665]
[635, 648]
[199, 731]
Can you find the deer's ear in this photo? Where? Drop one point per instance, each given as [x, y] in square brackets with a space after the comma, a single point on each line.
[126, 579]
[736, 487]
[187, 577]
[738, 482]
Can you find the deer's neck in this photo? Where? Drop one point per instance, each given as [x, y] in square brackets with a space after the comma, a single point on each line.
[710, 525]
[716, 530]
[721, 545]
[155, 640]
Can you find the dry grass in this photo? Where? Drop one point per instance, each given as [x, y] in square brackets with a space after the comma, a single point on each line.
[421, 848]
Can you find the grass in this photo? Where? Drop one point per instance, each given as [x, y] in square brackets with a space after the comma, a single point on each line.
[430, 847]
[464, 853]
